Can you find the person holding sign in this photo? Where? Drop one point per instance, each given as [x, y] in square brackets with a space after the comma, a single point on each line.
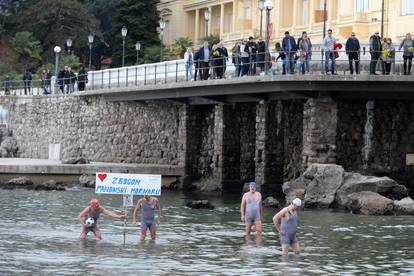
[251, 210]
[88, 218]
[148, 206]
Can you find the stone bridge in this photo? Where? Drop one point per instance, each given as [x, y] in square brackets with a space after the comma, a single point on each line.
[220, 133]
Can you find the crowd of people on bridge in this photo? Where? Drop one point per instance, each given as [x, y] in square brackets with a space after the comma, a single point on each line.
[291, 55]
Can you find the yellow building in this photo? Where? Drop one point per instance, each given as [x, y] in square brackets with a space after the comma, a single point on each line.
[237, 19]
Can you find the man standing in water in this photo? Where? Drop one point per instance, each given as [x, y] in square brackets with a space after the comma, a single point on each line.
[251, 210]
[93, 211]
[148, 205]
[286, 222]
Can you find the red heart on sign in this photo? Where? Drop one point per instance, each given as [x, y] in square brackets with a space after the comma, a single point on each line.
[102, 176]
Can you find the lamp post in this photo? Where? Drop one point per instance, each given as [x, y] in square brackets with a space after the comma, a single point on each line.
[57, 51]
[69, 44]
[382, 18]
[124, 32]
[207, 16]
[261, 8]
[90, 40]
[324, 32]
[137, 47]
[268, 5]
[162, 27]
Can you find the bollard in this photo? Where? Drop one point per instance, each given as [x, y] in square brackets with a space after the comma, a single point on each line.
[155, 74]
[136, 76]
[126, 78]
[176, 71]
[145, 75]
[165, 72]
[109, 80]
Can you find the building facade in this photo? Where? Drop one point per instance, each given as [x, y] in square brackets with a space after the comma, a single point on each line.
[237, 19]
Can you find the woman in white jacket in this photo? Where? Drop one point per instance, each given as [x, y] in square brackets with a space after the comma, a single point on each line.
[188, 61]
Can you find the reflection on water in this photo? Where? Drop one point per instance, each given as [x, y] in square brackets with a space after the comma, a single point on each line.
[39, 234]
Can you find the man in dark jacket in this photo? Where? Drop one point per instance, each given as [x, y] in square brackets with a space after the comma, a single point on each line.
[82, 78]
[27, 81]
[261, 53]
[375, 49]
[353, 49]
[289, 47]
[252, 50]
[204, 60]
[61, 80]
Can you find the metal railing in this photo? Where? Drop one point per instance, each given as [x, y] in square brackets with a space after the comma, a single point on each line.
[215, 68]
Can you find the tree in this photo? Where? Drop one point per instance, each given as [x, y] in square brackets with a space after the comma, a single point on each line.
[53, 22]
[28, 50]
[180, 46]
[140, 17]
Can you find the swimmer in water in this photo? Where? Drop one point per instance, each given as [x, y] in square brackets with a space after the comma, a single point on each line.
[251, 210]
[148, 206]
[286, 223]
[93, 211]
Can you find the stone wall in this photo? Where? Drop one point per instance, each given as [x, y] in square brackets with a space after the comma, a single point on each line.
[130, 132]
[247, 116]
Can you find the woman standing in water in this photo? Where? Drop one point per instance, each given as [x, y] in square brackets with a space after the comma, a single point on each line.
[286, 222]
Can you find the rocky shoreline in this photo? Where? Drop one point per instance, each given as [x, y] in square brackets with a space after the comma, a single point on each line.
[330, 186]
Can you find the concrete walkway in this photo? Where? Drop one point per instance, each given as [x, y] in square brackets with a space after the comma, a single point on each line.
[55, 167]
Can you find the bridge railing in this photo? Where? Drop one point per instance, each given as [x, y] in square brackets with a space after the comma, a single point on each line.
[215, 68]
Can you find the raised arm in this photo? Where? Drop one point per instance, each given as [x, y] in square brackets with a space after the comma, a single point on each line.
[278, 217]
[82, 216]
[134, 214]
[111, 214]
[243, 207]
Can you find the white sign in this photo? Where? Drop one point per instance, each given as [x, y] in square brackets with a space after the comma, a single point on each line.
[128, 201]
[128, 184]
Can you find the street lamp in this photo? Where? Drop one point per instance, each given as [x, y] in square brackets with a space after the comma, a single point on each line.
[57, 51]
[137, 47]
[268, 5]
[324, 32]
[90, 40]
[261, 8]
[207, 16]
[69, 44]
[382, 18]
[162, 27]
[124, 32]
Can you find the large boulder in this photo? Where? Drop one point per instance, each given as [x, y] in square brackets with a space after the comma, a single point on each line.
[404, 206]
[295, 188]
[271, 202]
[19, 182]
[326, 179]
[87, 180]
[370, 203]
[75, 161]
[200, 204]
[355, 182]
[208, 185]
[50, 185]
[9, 144]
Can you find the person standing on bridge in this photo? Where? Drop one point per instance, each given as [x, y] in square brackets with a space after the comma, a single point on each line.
[251, 210]
[204, 60]
[329, 48]
[286, 223]
[188, 61]
[375, 49]
[93, 211]
[148, 206]
[353, 49]
[408, 46]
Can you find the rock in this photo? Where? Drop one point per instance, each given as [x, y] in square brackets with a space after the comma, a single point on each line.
[19, 182]
[10, 145]
[200, 204]
[87, 180]
[74, 161]
[184, 183]
[49, 185]
[326, 179]
[370, 203]
[271, 202]
[208, 185]
[168, 183]
[355, 182]
[246, 187]
[404, 206]
[295, 188]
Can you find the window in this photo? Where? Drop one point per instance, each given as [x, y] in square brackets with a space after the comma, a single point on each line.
[305, 18]
[407, 7]
[247, 13]
[361, 5]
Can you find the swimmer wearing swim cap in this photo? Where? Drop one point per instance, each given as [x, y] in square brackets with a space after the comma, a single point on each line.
[251, 210]
[93, 211]
[286, 223]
